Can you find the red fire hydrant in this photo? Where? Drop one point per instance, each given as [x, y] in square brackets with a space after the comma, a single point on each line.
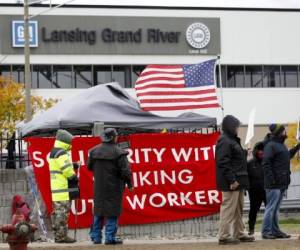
[19, 232]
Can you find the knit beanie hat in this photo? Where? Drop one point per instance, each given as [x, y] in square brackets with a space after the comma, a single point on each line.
[64, 136]
[276, 129]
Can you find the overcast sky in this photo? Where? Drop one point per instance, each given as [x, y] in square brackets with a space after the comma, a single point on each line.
[187, 3]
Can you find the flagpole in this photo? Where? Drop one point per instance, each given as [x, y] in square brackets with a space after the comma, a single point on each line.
[221, 86]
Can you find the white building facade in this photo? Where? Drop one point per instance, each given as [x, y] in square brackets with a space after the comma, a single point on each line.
[76, 47]
[259, 52]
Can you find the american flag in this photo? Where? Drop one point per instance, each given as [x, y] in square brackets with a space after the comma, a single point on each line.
[177, 87]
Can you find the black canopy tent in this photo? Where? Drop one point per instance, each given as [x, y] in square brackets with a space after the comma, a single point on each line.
[110, 105]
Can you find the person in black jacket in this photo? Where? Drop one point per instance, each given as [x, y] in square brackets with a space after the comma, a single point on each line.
[111, 173]
[232, 180]
[276, 164]
[257, 194]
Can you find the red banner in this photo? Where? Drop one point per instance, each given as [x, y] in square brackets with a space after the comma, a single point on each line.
[173, 176]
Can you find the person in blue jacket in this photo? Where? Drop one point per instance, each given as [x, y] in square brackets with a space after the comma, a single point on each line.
[276, 165]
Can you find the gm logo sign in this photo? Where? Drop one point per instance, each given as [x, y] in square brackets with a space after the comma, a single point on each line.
[18, 34]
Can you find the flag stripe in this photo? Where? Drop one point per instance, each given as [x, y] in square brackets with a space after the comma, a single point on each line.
[157, 66]
[188, 107]
[158, 70]
[174, 104]
[171, 82]
[162, 85]
[210, 98]
[173, 92]
[162, 97]
[159, 76]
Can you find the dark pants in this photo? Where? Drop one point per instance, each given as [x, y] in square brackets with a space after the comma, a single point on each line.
[111, 228]
[256, 197]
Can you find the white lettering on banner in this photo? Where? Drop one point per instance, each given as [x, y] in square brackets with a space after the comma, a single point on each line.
[81, 157]
[38, 159]
[134, 153]
[159, 153]
[144, 154]
[159, 200]
[143, 178]
[83, 205]
[199, 197]
[191, 154]
[205, 152]
[213, 196]
[182, 153]
[189, 177]
[185, 198]
[196, 154]
[153, 155]
[136, 201]
[172, 198]
[164, 176]
[161, 177]
[162, 202]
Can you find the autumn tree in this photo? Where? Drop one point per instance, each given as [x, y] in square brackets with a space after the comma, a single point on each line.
[291, 142]
[12, 105]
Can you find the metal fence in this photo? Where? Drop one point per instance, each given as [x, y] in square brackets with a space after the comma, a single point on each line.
[13, 152]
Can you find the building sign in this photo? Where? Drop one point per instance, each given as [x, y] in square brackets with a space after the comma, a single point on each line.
[198, 35]
[116, 35]
[18, 37]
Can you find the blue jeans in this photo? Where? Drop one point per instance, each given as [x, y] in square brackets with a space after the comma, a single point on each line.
[270, 222]
[111, 228]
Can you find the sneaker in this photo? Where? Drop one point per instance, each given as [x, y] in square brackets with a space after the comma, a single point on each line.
[114, 242]
[97, 242]
[246, 238]
[268, 237]
[59, 241]
[282, 236]
[228, 241]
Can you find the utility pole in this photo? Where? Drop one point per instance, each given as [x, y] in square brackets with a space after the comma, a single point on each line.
[27, 62]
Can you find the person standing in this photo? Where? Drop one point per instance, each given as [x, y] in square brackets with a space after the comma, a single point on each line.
[232, 180]
[276, 165]
[112, 172]
[256, 191]
[62, 173]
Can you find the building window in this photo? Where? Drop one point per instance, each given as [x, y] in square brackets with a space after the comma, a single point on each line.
[62, 76]
[102, 74]
[235, 76]
[41, 76]
[253, 76]
[135, 73]
[271, 76]
[5, 70]
[122, 75]
[83, 76]
[289, 76]
[18, 73]
[223, 76]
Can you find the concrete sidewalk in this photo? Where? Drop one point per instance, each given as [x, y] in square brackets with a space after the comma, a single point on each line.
[136, 242]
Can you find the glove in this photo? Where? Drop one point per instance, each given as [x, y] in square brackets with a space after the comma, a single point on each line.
[76, 165]
[74, 180]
